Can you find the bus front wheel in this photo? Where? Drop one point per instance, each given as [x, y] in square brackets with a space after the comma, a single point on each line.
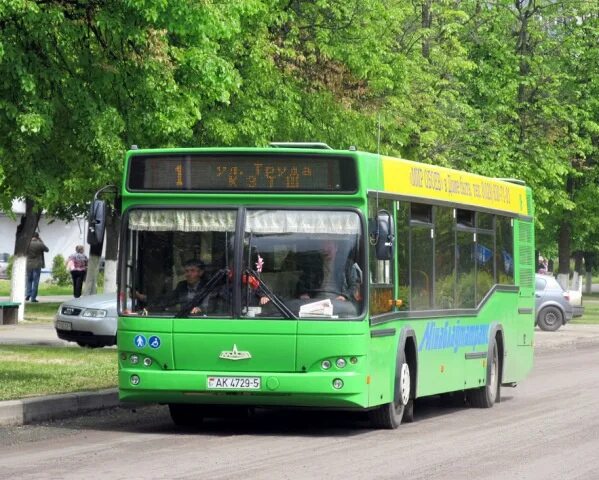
[485, 397]
[390, 415]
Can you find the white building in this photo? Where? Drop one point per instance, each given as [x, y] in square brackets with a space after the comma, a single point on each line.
[60, 237]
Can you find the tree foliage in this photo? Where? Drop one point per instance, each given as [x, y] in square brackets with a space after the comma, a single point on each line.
[504, 88]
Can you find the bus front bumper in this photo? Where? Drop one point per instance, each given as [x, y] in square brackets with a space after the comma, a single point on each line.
[313, 389]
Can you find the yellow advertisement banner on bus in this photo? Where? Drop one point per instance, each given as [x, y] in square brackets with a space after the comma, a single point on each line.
[425, 181]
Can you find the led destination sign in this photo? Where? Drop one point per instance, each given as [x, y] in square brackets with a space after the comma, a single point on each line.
[278, 173]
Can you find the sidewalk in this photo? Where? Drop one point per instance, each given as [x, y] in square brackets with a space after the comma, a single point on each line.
[19, 412]
[32, 334]
[44, 298]
[568, 336]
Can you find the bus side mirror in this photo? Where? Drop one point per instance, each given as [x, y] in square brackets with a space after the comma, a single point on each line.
[382, 234]
[96, 222]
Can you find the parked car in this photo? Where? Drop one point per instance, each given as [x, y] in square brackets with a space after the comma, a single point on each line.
[90, 320]
[553, 308]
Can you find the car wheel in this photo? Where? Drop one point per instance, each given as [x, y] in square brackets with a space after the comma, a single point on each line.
[550, 319]
[185, 415]
[88, 345]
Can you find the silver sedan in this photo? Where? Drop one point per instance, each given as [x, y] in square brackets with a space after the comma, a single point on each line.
[90, 320]
[552, 303]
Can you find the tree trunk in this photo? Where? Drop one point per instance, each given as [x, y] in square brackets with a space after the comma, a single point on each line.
[525, 10]
[24, 233]
[577, 275]
[563, 276]
[113, 224]
[93, 267]
[588, 282]
[589, 264]
[427, 22]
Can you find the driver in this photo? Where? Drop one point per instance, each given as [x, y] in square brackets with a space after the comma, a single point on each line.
[185, 291]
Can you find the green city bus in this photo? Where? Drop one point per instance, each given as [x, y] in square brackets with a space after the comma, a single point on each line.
[331, 279]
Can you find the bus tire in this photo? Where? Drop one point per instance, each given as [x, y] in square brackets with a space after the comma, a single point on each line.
[389, 415]
[550, 319]
[485, 397]
[185, 415]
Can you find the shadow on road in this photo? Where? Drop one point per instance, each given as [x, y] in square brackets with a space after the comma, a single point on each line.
[155, 419]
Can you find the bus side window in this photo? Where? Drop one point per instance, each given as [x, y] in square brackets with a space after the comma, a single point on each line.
[380, 271]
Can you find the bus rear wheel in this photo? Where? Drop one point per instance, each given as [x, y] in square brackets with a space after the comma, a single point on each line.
[390, 415]
[485, 397]
[185, 415]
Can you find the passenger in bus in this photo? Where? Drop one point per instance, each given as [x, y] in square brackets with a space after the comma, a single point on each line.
[331, 274]
[184, 292]
[326, 272]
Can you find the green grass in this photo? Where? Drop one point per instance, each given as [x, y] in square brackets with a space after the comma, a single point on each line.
[27, 371]
[41, 312]
[591, 310]
[45, 288]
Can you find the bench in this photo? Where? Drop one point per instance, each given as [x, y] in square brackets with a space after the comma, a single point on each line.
[9, 313]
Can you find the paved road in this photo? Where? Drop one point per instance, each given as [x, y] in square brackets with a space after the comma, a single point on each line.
[546, 428]
[31, 334]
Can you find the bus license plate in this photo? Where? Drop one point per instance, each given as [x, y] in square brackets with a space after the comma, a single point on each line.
[234, 383]
[60, 325]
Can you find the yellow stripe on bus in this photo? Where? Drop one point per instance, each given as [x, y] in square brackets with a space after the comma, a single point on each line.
[415, 179]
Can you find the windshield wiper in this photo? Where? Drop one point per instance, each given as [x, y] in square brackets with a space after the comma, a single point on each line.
[203, 293]
[276, 301]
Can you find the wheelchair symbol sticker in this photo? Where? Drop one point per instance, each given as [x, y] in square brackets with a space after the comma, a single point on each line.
[154, 342]
[139, 341]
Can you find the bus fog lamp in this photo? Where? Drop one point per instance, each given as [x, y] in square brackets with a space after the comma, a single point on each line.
[325, 364]
[337, 383]
[134, 359]
[341, 363]
[134, 380]
[147, 361]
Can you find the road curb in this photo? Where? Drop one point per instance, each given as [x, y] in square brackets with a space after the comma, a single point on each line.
[51, 407]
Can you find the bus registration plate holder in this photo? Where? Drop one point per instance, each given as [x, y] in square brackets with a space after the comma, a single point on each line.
[233, 383]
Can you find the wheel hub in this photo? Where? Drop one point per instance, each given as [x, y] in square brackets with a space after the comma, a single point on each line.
[404, 384]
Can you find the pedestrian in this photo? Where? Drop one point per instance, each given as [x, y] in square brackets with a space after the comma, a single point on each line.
[35, 263]
[77, 265]
[543, 266]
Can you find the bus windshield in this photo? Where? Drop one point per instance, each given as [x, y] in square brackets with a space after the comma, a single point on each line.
[293, 264]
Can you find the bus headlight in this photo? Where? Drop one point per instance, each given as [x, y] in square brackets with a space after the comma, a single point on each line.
[325, 364]
[341, 363]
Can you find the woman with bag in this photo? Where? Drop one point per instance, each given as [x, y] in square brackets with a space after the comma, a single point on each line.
[77, 265]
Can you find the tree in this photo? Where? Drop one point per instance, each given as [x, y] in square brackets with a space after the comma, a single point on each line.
[83, 80]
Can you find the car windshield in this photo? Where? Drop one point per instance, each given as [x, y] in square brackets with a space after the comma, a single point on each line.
[293, 264]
